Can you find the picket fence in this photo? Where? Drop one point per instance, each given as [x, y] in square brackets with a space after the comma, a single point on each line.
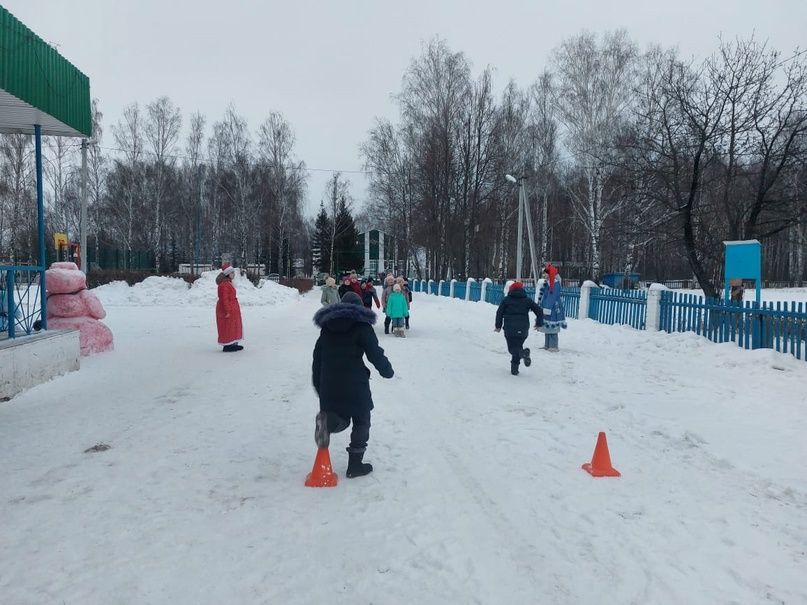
[780, 326]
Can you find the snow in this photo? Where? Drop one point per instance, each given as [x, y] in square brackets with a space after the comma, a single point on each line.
[172, 291]
[477, 495]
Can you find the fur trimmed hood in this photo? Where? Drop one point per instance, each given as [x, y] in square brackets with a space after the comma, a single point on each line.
[341, 315]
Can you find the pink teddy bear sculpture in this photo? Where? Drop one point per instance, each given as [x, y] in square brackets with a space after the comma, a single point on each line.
[72, 307]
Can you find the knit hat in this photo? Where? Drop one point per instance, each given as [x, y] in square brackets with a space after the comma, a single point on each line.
[551, 272]
[352, 298]
[516, 285]
[330, 282]
[227, 269]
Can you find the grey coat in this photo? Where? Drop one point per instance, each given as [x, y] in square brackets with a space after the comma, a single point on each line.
[330, 295]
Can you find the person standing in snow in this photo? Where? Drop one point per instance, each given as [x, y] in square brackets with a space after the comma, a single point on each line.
[408, 294]
[551, 302]
[330, 295]
[513, 314]
[228, 312]
[397, 309]
[389, 281]
[355, 284]
[345, 287]
[341, 379]
[368, 294]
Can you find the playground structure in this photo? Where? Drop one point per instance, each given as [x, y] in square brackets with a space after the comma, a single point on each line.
[41, 93]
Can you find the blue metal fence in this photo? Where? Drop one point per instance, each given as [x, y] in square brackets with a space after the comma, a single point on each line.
[781, 325]
[776, 325]
[459, 289]
[20, 299]
[571, 301]
[494, 293]
[626, 307]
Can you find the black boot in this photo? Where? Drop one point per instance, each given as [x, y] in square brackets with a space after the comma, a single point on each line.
[525, 354]
[514, 369]
[355, 466]
[229, 348]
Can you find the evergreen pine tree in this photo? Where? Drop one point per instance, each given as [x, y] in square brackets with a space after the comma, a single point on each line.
[347, 250]
[321, 241]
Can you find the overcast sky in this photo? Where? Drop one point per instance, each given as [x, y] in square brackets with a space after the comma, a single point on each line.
[331, 66]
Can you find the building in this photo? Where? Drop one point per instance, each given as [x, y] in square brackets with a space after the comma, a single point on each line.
[380, 253]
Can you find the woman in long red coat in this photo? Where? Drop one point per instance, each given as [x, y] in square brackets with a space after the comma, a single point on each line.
[228, 312]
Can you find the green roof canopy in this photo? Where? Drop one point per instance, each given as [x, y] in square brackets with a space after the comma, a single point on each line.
[39, 86]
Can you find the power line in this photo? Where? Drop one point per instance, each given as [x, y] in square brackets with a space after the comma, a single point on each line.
[187, 157]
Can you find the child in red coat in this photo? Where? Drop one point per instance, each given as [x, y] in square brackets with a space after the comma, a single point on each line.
[228, 312]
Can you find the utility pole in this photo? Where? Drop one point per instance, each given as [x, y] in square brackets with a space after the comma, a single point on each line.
[520, 240]
[83, 226]
[533, 260]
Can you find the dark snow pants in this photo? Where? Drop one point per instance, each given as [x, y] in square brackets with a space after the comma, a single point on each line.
[387, 320]
[515, 346]
[360, 433]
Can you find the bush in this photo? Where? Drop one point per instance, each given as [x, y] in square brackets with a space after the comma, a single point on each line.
[303, 284]
[99, 277]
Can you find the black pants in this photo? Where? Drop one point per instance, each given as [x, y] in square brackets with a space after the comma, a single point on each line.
[360, 433]
[515, 346]
[387, 320]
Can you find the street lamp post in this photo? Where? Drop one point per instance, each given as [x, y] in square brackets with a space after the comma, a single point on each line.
[519, 238]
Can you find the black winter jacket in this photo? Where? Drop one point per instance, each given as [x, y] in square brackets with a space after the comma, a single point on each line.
[340, 377]
[514, 311]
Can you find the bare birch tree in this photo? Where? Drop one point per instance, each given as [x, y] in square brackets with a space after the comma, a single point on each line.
[162, 128]
[593, 95]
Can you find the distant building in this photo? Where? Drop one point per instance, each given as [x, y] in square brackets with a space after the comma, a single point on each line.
[379, 252]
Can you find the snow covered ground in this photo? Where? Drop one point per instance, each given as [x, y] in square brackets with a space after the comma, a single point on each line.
[477, 494]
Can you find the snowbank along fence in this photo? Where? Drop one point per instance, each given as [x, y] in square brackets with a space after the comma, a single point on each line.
[781, 326]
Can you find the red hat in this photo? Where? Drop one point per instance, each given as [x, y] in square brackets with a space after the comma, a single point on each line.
[551, 272]
[516, 285]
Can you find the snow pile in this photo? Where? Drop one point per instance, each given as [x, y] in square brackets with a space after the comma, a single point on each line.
[172, 291]
[477, 494]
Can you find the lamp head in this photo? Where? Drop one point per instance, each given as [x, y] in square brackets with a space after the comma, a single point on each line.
[511, 178]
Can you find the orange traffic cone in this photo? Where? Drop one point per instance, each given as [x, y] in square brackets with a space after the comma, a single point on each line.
[600, 465]
[322, 474]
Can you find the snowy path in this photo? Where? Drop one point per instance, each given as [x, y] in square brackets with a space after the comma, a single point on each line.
[478, 495]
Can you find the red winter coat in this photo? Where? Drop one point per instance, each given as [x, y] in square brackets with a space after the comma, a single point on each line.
[228, 315]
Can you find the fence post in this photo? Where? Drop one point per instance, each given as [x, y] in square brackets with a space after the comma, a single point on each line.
[654, 306]
[440, 287]
[11, 309]
[585, 298]
[429, 285]
[451, 288]
[483, 295]
[470, 281]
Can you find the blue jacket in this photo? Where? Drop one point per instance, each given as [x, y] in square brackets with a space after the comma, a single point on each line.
[552, 304]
